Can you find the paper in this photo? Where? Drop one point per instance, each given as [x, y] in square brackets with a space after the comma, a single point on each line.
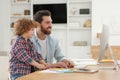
[56, 70]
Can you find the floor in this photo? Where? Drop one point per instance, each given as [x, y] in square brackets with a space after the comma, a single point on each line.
[4, 67]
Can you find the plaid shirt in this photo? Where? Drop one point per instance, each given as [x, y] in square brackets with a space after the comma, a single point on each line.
[22, 54]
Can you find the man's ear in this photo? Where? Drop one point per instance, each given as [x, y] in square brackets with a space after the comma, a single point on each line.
[37, 24]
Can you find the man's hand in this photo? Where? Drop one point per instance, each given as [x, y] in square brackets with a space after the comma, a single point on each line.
[69, 63]
[58, 65]
[61, 65]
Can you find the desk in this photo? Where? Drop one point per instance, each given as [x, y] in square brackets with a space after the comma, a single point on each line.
[101, 75]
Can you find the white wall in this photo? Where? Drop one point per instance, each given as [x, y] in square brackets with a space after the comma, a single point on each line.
[4, 37]
[4, 25]
[106, 12]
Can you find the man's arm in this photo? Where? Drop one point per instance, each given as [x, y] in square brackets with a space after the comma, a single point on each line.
[58, 53]
[61, 58]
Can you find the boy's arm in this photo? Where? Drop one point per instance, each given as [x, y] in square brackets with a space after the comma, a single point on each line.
[39, 66]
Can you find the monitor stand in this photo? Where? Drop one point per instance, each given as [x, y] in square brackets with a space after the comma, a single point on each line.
[115, 62]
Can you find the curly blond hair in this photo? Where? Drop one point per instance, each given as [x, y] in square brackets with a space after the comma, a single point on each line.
[23, 25]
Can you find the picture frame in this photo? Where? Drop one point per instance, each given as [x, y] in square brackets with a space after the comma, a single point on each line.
[84, 11]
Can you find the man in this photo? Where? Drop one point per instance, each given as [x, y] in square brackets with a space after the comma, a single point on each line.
[47, 45]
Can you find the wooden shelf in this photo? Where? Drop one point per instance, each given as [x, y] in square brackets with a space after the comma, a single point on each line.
[80, 28]
[20, 16]
[85, 15]
[79, 1]
[20, 3]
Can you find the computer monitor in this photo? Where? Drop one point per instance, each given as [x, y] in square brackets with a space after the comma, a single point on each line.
[104, 46]
[104, 42]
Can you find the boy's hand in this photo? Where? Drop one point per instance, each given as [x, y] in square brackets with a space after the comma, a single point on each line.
[42, 67]
[47, 65]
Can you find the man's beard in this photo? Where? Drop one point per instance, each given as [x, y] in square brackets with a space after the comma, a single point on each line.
[45, 31]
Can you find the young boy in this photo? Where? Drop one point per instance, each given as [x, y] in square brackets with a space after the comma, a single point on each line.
[24, 58]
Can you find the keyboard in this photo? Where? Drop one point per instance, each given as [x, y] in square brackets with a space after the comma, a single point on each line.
[80, 66]
[82, 62]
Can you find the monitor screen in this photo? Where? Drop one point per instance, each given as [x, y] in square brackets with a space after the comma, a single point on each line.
[58, 11]
[104, 42]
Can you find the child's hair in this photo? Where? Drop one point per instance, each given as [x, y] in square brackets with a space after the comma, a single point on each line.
[23, 25]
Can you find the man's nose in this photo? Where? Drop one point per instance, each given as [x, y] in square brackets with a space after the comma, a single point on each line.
[51, 24]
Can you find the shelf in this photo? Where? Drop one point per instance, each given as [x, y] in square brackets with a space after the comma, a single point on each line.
[72, 47]
[20, 16]
[80, 15]
[80, 1]
[25, 3]
[59, 28]
[80, 28]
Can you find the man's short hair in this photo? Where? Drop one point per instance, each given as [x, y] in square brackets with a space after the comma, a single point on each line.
[39, 15]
